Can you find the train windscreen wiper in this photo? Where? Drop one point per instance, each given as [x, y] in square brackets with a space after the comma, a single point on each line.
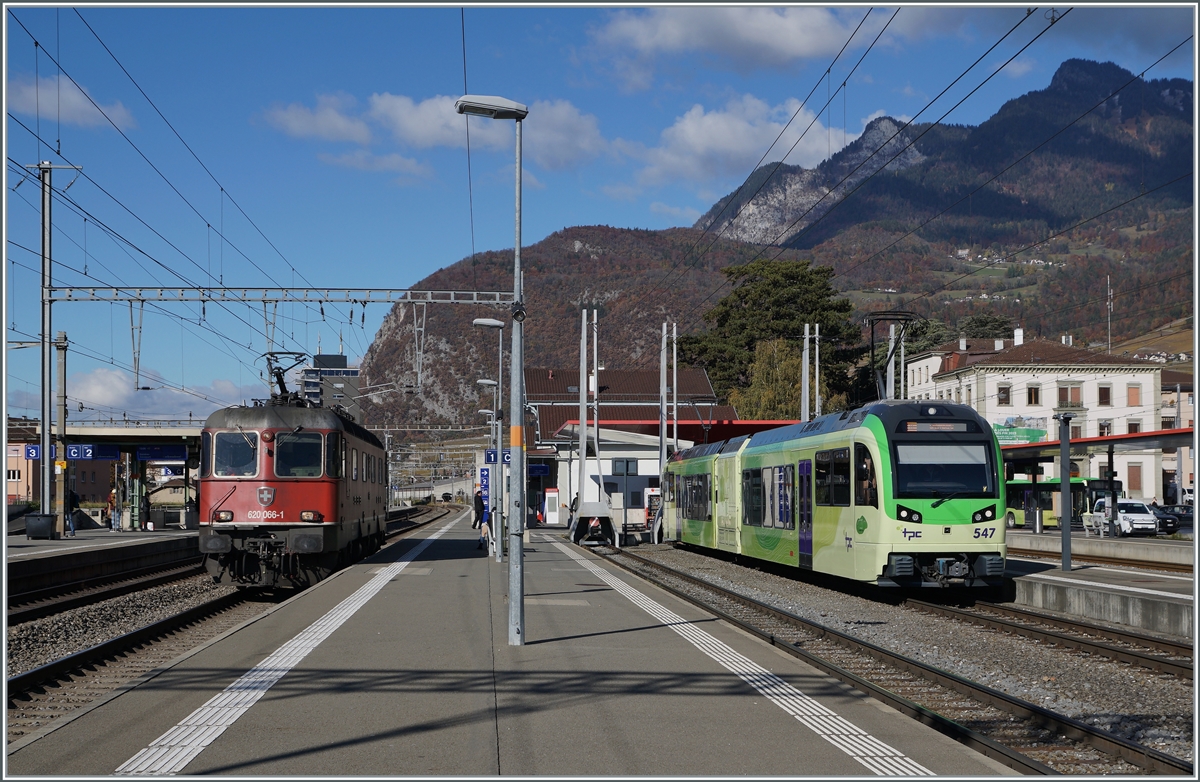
[950, 496]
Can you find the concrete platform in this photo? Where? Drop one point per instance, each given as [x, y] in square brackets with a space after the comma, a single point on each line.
[1150, 601]
[1177, 553]
[40, 564]
[400, 665]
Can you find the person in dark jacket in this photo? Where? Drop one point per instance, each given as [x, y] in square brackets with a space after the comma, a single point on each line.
[478, 509]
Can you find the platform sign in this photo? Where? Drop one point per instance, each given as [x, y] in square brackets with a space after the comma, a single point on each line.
[34, 452]
[485, 487]
[539, 471]
[162, 453]
[81, 451]
[489, 456]
[110, 452]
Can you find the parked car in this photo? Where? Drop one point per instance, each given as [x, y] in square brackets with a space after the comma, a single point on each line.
[1132, 516]
[1167, 522]
[1181, 512]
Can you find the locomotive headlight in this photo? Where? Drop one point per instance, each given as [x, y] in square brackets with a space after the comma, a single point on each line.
[223, 515]
[977, 516]
[311, 515]
[907, 514]
[904, 513]
[989, 513]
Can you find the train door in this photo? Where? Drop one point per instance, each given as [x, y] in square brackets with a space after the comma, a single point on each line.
[804, 511]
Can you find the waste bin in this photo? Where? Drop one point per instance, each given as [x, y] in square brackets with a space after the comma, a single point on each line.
[1037, 521]
[40, 525]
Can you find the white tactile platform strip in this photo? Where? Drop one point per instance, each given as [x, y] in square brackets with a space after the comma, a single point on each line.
[849, 738]
[172, 751]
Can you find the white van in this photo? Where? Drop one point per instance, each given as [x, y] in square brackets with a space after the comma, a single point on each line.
[1132, 516]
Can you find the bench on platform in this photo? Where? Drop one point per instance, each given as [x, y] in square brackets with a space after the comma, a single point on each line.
[1093, 522]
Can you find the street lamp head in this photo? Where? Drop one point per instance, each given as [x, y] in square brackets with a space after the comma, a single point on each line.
[491, 106]
[490, 323]
[485, 412]
[484, 382]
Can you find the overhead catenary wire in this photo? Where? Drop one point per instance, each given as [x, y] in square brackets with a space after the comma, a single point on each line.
[224, 192]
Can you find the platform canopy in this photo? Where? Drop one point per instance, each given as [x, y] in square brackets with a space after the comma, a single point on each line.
[1049, 450]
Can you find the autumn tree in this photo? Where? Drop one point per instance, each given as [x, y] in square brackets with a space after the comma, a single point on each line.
[773, 300]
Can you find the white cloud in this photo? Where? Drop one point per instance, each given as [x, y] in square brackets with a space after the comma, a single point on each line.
[747, 36]
[685, 214]
[107, 392]
[559, 136]
[364, 160]
[330, 120]
[727, 142]
[1018, 67]
[71, 105]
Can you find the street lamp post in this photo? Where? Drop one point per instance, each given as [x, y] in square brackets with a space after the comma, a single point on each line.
[492, 323]
[498, 477]
[502, 108]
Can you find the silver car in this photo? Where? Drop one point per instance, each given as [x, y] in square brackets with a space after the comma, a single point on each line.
[1132, 517]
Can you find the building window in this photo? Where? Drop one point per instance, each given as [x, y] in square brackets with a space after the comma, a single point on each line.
[1105, 393]
[14, 475]
[1168, 423]
[968, 395]
[1105, 428]
[1135, 477]
[1076, 432]
[1033, 395]
[1004, 395]
[1135, 427]
[1069, 395]
[1135, 395]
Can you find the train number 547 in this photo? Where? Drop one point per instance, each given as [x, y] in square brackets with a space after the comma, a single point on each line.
[985, 532]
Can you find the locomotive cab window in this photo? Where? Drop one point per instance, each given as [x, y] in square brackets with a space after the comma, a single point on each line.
[930, 470]
[205, 454]
[333, 455]
[235, 454]
[298, 454]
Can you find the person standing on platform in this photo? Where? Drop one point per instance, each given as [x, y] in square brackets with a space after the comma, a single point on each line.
[484, 541]
[478, 509]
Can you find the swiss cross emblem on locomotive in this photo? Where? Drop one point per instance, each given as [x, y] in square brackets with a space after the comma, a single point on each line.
[266, 495]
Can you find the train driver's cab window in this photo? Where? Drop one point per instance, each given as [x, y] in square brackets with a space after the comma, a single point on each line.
[205, 454]
[333, 455]
[944, 470]
[235, 454]
[866, 489]
[298, 454]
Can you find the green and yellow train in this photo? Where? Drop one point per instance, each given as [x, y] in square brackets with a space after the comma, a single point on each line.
[897, 493]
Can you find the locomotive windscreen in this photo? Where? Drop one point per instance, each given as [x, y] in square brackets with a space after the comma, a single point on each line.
[298, 455]
[939, 469]
[235, 454]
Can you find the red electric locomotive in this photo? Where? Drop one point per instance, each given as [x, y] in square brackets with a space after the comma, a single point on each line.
[289, 492]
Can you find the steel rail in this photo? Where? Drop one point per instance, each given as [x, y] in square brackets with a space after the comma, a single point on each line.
[1129, 563]
[53, 600]
[1145, 757]
[1167, 645]
[1150, 661]
[62, 666]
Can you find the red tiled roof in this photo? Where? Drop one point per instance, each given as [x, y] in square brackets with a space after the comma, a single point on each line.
[1042, 352]
[618, 385]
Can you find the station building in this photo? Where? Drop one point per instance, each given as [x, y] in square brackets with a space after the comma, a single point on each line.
[1018, 387]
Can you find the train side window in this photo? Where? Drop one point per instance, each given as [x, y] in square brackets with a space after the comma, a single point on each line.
[866, 491]
[823, 478]
[333, 455]
[752, 497]
[298, 454]
[785, 496]
[235, 454]
[354, 464]
[205, 454]
[841, 476]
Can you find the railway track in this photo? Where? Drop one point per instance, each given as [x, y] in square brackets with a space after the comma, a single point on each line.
[1022, 735]
[1162, 654]
[1115, 561]
[27, 606]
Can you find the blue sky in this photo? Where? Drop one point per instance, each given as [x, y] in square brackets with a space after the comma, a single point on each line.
[333, 130]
